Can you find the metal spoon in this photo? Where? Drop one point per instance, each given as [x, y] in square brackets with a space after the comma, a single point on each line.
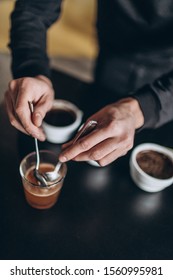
[54, 175]
[37, 175]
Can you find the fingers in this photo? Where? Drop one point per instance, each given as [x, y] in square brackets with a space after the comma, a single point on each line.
[19, 93]
[14, 122]
[99, 151]
[105, 152]
[82, 145]
[112, 157]
[113, 138]
[40, 110]
[25, 127]
[107, 159]
[66, 145]
[24, 115]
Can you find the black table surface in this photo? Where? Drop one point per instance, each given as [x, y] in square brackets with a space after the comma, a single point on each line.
[101, 213]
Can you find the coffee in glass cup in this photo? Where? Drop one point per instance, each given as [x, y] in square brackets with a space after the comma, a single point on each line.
[36, 195]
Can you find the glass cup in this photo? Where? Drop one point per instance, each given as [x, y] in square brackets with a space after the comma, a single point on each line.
[38, 196]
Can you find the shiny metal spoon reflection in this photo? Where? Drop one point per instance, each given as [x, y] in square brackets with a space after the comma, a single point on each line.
[37, 174]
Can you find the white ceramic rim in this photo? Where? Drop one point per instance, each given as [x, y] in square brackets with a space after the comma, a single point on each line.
[61, 103]
[154, 147]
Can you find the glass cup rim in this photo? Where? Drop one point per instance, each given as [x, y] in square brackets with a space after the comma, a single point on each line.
[35, 185]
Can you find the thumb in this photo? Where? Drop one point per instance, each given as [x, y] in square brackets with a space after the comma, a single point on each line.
[37, 118]
[40, 111]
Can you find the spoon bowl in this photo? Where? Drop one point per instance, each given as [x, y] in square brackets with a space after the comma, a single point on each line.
[40, 178]
[52, 175]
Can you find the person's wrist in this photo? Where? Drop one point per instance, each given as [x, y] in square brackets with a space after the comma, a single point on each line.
[135, 110]
[45, 79]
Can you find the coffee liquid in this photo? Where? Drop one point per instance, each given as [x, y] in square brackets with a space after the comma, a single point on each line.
[60, 117]
[41, 197]
[155, 164]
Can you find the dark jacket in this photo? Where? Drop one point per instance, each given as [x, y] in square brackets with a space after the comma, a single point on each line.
[135, 56]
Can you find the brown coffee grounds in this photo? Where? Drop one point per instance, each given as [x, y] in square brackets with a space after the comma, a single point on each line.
[155, 164]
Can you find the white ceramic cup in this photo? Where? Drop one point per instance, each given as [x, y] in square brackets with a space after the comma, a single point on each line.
[142, 179]
[61, 134]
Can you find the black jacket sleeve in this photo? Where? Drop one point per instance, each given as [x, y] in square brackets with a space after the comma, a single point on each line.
[156, 101]
[30, 20]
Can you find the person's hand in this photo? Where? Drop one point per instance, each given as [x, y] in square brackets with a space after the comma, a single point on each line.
[112, 138]
[37, 90]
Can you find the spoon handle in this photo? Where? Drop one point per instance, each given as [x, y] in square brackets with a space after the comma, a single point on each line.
[58, 166]
[86, 128]
[36, 141]
[37, 154]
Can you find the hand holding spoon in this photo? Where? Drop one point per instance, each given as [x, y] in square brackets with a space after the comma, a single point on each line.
[54, 175]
